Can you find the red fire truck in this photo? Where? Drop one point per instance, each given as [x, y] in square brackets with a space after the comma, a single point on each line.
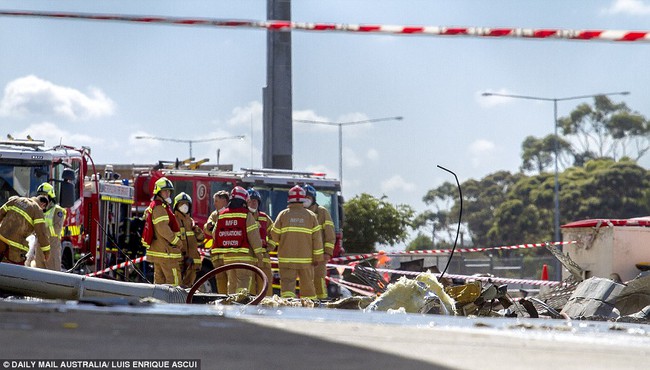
[96, 204]
[273, 185]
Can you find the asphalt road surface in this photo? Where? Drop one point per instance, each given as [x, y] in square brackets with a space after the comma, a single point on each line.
[268, 338]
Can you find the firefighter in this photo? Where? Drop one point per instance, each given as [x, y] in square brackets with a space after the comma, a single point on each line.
[296, 233]
[19, 218]
[54, 217]
[329, 238]
[191, 236]
[220, 199]
[237, 236]
[161, 235]
[266, 224]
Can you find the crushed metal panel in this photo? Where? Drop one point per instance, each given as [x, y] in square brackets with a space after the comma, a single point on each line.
[593, 297]
[635, 296]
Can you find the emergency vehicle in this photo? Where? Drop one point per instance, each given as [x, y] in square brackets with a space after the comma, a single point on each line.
[97, 205]
[272, 184]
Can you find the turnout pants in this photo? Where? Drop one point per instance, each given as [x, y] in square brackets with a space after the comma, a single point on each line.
[288, 282]
[189, 276]
[221, 278]
[10, 254]
[259, 284]
[167, 271]
[239, 279]
[320, 271]
[54, 260]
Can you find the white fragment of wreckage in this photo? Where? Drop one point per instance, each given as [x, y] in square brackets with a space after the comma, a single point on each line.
[417, 295]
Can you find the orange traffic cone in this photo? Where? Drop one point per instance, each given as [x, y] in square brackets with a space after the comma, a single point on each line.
[545, 272]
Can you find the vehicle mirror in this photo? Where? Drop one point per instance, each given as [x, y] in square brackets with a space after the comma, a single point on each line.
[66, 195]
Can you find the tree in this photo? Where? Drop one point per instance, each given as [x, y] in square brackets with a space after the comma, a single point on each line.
[420, 243]
[606, 130]
[481, 200]
[504, 208]
[369, 220]
[539, 154]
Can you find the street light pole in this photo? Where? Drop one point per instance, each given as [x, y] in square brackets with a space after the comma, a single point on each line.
[340, 125]
[556, 188]
[241, 137]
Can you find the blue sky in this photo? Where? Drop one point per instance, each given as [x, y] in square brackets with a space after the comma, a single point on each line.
[101, 84]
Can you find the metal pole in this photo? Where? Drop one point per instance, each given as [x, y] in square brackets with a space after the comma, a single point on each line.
[341, 156]
[190, 149]
[556, 190]
[556, 195]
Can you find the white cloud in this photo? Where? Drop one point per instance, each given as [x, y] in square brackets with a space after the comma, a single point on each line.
[351, 159]
[372, 154]
[53, 135]
[481, 152]
[493, 101]
[139, 147]
[32, 96]
[243, 116]
[397, 182]
[310, 115]
[630, 7]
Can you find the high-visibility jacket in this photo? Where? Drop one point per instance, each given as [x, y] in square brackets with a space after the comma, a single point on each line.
[161, 234]
[296, 233]
[190, 237]
[208, 229]
[19, 218]
[266, 224]
[237, 236]
[327, 227]
[54, 217]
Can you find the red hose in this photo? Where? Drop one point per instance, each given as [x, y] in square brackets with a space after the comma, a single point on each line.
[225, 268]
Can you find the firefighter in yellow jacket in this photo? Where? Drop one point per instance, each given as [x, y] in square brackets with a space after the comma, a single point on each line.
[266, 224]
[54, 217]
[19, 218]
[191, 236]
[220, 200]
[329, 238]
[161, 235]
[296, 233]
[237, 237]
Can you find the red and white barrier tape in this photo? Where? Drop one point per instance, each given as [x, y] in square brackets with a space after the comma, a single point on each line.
[467, 277]
[118, 266]
[352, 286]
[445, 251]
[275, 25]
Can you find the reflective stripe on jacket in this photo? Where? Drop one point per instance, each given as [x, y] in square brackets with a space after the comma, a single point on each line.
[19, 218]
[296, 233]
[327, 227]
[237, 236]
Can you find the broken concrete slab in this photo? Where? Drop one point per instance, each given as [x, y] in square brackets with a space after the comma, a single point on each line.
[593, 297]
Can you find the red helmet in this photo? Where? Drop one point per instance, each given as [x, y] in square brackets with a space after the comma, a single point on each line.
[297, 194]
[239, 193]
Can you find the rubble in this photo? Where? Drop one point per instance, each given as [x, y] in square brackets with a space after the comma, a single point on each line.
[635, 296]
[420, 295]
[593, 297]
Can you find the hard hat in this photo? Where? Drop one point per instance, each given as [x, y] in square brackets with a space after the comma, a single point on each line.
[254, 194]
[310, 191]
[296, 194]
[46, 189]
[182, 197]
[239, 193]
[162, 184]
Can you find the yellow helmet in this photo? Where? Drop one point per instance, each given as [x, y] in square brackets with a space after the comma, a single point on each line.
[162, 184]
[182, 197]
[46, 189]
